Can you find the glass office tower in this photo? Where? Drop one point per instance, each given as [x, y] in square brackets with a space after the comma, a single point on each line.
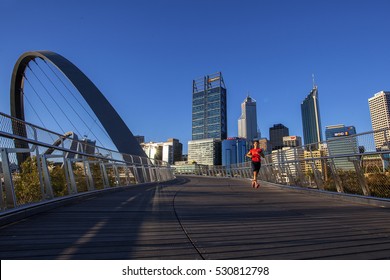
[234, 150]
[341, 141]
[209, 116]
[311, 121]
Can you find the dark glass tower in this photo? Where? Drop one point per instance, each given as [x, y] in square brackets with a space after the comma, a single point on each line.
[276, 134]
[311, 121]
[209, 118]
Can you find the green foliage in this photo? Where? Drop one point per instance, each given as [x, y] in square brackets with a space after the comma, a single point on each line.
[58, 180]
[27, 185]
[379, 184]
[79, 177]
[350, 182]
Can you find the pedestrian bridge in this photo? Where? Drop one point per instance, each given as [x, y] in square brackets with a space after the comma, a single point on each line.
[66, 198]
[200, 217]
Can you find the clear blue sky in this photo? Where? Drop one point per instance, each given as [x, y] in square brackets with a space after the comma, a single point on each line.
[143, 55]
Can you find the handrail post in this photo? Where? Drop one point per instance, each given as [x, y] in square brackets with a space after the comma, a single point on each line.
[8, 182]
[46, 177]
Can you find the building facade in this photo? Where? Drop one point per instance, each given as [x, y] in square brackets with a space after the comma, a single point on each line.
[311, 121]
[292, 141]
[247, 123]
[153, 150]
[209, 115]
[170, 151]
[176, 150]
[340, 141]
[319, 165]
[379, 106]
[288, 161]
[234, 150]
[205, 151]
[276, 134]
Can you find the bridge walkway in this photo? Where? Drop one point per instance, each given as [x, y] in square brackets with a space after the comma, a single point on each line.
[202, 218]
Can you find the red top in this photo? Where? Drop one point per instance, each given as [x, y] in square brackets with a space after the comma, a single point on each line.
[256, 154]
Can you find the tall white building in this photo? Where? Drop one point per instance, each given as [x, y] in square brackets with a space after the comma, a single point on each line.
[380, 117]
[247, 123]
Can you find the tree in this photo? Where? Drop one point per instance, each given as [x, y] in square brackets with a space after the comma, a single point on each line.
[27, 185]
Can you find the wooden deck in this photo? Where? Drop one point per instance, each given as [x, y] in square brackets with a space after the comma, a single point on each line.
[202, 218]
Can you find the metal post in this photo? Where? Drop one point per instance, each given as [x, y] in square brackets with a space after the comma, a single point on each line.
[360, 177]
[336, 177]
[317, 177]
[127, 175]
[46, 176]
[88, 174]
[71, 177]
[8, 182]
[106, 183]
[117, 179]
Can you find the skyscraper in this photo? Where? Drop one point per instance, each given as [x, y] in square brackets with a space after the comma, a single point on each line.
[209, 116]
[247, 123]
[341, 142]
[276, 134]
[311, 120]
[380, 118]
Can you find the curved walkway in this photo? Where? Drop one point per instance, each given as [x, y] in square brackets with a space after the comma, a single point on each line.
[202, 218]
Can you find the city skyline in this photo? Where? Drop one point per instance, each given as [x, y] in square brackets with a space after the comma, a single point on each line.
[143, 56]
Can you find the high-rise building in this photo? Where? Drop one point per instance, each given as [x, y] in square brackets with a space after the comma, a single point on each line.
[247, 123]
[276, 134]
[380, 118]
[311, 120]
[177, 149]
[340, 141]
[234, 150]
[209, 116]
[205, 151]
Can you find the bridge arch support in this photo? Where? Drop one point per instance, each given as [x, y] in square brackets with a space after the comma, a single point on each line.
[116, 128]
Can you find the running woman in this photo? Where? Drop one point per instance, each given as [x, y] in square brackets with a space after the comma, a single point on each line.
[255, 154]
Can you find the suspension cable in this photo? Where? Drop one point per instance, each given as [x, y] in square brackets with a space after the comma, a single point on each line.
[78, 115]
[32, 107]
[82, 106]
[25, 77]
[52, 98]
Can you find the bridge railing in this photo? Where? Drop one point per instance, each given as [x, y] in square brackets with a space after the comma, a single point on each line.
[355, 164]
[43, 165]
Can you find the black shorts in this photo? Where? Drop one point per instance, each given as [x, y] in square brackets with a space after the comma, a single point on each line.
[256, 166]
